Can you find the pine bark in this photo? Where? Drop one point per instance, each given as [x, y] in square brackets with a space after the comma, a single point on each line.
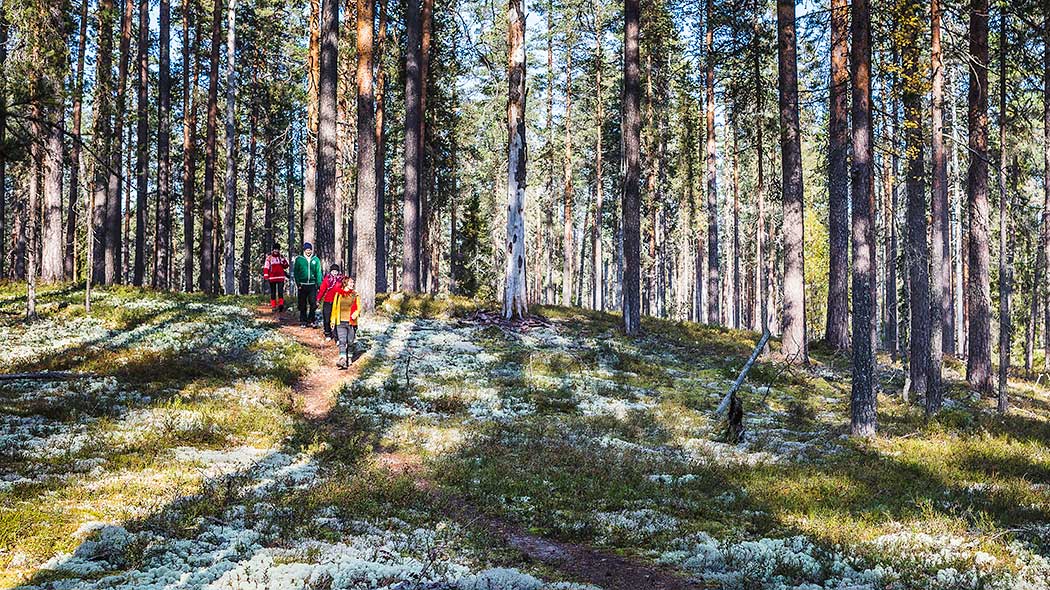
[163, 245]
[1045, 234]
[3, 129]
[313, 75]
[979, 356]
[114, 244]
[515, 295]
[837, 330]
[1005, 246]
[761, 269]
[229, 214]
[917, 253]
[141, 145]
[70, 261]
[102, 138]
[597, 256]
[793, 340]
[327, 138]
[51, 260]
[631, 194]
[863, 420]
[249, 201]
[567, 186]
[380, 158]
[368, 209]
[714, 276]
[413, 156]
[207, 280]
[940, 244]
[189, 143]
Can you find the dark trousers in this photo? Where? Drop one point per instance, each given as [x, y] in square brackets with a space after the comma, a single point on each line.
[307, 299]
[346, 334]
[326, 315]
[277, 291]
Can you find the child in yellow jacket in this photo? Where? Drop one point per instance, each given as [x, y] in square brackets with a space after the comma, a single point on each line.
[346, 308]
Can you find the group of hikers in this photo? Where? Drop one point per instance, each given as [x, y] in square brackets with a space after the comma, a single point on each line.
[340, 305]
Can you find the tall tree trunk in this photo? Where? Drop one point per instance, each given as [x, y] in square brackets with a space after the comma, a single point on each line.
[229, 214]
[365, 239]
[1045, 234]
[327, 140]
[979, 357]
[114, 243]
[597, 266]
[313, 73]
[892, 336]
[142, 144]
[70, 260]
[794, 321]
[1005, 247]
[102, 138]
[515, 296]
[162, 244]
[837, 331]
[413, 141]
[918, 254]
[735, 297]
[380, 157]
[940, 260]
[189, 142]
[631, 195]
[863, 421]
[714, 277]
[51, 256]
[761, 269]
[210, 154]
[249, 201]
[549, 157]
[567, 186]
[33, 206]
[428, 254]
[3, 125]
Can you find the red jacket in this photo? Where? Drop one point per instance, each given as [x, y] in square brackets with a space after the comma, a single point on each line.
[329, 286]
[275, 269]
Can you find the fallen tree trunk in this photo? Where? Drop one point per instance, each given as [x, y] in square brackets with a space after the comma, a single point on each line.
[735, 419]
[45, 376]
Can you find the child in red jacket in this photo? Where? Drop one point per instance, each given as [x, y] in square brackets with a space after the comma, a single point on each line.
[326, 296]
[275, 271]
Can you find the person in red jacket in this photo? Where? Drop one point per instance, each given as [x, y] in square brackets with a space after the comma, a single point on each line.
[326, 296]
[275, 271]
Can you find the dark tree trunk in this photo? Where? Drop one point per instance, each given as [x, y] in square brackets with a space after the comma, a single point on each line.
[413, 157]
[714, 276]
[918, 253]
[380, 158]
[597, 265]
[229, 212]
[327, 134]
[761, 269]
[1005, 245]
[114, 243]
[162, 245]
[313, 73]
[1045, 234]
[365, 239]
[837, 331]
[3, 126]
[208, 269]
[979, 357]
[892, 337]
[70, 261]
[142, 145]
[102, 138]
[940, 260]
[863, 420]
[793, 339]
[567, 186]
[249, 201]
[631, 193]
[189, 143]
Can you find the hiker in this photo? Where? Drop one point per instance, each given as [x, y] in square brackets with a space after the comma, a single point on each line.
[275, 271]
[345, 310]
[326, 297]
[306, 270]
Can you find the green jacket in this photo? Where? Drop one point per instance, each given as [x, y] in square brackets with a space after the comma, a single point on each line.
[307, 271]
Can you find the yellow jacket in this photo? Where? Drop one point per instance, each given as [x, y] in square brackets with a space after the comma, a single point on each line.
[351, 302]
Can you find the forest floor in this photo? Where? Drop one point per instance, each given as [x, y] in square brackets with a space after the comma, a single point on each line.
[210, 445]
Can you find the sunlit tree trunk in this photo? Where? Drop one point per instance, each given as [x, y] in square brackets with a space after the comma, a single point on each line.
[249, 201]
[837, 331]
[631, 193]
[714, 276]
[161, 276]
[793, 340]
[567, 186]
[380, 157]
[141, 145]
[515, 296]
[1005, 245]
[327, 134]
[979, 357]
[940, 244]
[70, 260]
[313, 73]
[113, 248]
[102, 139]
[365, 238]
[229, 214]
[413, 157]
[189, 144]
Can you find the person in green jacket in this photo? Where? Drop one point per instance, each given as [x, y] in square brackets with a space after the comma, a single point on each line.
[306, 270]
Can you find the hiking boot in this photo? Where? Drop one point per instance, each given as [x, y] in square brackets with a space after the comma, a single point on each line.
[342, 363]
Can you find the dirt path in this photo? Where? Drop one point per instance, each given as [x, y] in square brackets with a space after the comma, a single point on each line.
[579, 562]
